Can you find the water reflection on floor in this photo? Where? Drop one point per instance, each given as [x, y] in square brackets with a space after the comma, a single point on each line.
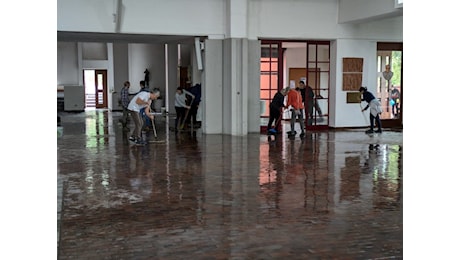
[331, 195]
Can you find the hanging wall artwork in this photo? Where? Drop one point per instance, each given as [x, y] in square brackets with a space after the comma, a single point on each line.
[352, 74]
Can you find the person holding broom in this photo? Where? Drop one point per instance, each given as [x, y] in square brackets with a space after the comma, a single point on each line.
[181, 107]
[137, 103]
[275, 110]
[376, 110]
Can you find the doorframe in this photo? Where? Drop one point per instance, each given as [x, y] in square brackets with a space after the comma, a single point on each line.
[102, 104]
[394, 46]
[97, 102]
[272, 89]
[315, 70]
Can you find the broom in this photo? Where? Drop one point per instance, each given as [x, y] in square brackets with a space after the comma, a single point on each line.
[185, 117]
[155, 134]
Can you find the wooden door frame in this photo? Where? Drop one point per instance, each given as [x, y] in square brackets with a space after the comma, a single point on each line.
[280, 76]
[315, 70]
[104, 88]
[394, 46]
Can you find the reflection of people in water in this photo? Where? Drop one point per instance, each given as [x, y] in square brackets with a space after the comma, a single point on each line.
[276, 161]
[140, 177]
[386, 184]
[371, 161]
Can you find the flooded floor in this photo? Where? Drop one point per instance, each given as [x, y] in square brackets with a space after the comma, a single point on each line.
[331, 195]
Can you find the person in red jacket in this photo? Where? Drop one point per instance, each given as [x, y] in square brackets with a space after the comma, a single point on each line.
[294, 99]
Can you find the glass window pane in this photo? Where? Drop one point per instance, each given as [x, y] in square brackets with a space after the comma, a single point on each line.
[264, 66]
[265, 94]
[274, 66]
[100, 82]
[274, 81]
[323, 53]
[264, 81]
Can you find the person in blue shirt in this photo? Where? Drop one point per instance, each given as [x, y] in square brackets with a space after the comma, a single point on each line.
[394, 101]
[375, 110]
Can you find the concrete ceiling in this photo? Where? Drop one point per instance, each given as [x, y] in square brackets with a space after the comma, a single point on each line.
[123, 38]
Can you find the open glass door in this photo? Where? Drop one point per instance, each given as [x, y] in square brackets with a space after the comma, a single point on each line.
[389, 83]
[270, 78]
[318, 75]
[95, 88]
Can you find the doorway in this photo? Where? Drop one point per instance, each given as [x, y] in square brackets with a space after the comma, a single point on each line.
[285, 63]
[95, 82]
[271, 78]
[389, 83]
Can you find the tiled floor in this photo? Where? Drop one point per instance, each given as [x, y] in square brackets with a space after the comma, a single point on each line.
[332, 195]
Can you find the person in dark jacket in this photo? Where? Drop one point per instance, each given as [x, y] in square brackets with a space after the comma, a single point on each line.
[375, 111]
[309, 99]
[195, 90]
[275, 109]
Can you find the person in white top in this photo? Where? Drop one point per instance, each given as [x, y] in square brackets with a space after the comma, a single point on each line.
[180, 105]
[139, 101]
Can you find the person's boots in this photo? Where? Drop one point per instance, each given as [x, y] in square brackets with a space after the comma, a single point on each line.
[292, 133]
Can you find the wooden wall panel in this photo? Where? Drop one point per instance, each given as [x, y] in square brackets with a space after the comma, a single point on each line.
[352, 74]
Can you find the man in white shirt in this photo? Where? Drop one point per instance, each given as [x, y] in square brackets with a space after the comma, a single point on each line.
[139, 101]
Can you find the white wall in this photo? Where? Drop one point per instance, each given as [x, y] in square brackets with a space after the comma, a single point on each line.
[147, 56]
[94, 51]
[350, 115]
[386, 30]
[356, 10]
[85, 15]
[294, 58]
[254, 86]
[178, 17]
[169, 89]
[212, 88]
[67, 64]
[121, 70]
[314, 19]
[293, 19]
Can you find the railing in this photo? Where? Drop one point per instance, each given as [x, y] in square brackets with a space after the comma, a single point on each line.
[90, 100]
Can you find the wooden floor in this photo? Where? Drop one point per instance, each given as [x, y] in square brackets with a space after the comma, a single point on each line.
[330, 195]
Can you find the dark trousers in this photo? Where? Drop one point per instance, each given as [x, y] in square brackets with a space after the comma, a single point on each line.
[274, 116]
[124, 119]
[180, 116]
[375, 119]
[192, 114]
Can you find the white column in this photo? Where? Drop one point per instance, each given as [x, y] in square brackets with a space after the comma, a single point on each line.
[211, 88]
[237, 19]
[172, 81]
